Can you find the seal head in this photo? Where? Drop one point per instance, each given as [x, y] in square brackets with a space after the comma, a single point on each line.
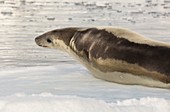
[58, 39]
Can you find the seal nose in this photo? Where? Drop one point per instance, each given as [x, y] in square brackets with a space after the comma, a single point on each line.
[37, 41]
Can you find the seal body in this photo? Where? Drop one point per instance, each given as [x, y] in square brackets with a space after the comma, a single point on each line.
[114, 54]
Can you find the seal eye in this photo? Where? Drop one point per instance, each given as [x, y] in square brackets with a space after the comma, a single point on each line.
[49, 41]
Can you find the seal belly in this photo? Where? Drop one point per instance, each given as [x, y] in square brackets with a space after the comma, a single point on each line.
[128, 78]
[133, 72]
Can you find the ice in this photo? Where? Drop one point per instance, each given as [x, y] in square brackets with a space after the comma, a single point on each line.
[34, 79]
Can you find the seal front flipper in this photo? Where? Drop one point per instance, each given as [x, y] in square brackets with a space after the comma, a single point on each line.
[85, 54]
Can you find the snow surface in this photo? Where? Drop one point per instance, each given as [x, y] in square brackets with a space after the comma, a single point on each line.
[34, 79]
[53, 89]
[46, 102]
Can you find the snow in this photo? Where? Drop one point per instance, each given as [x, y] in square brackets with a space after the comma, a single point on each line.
[34, 79]
[47, 102]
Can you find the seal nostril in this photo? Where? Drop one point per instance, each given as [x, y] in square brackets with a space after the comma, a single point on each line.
[49, 41]
[36, 39]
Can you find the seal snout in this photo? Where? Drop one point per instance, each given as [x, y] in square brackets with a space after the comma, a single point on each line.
[40, 41]
[37, 41]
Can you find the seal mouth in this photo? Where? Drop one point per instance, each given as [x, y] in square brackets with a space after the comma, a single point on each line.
[43, 46]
